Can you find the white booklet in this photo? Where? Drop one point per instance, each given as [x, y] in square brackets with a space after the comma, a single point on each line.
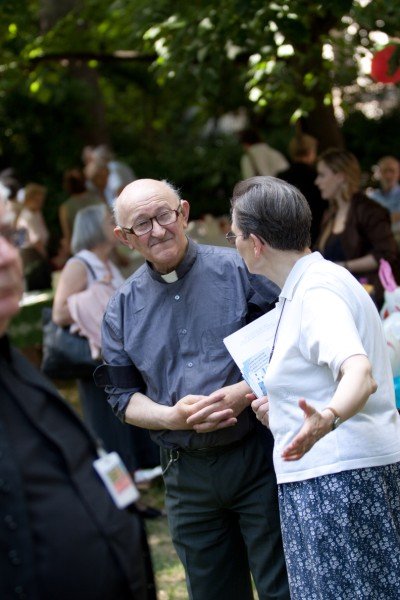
[250, 348]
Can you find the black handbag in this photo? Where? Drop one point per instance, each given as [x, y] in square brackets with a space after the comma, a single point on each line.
[65, 355]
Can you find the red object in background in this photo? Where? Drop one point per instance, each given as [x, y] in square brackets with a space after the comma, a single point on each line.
[385, 66]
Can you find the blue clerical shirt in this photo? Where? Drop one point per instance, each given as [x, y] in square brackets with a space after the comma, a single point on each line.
[172, 333]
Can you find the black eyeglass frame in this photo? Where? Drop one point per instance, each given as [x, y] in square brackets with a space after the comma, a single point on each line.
[177, 211]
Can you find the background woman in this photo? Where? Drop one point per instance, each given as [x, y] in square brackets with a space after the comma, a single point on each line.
[355, 231]
[336, 429]
[92, 242]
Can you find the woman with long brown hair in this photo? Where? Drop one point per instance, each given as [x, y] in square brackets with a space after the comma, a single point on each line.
[355, 231]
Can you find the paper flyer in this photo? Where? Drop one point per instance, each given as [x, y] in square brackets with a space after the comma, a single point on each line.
[250, 348]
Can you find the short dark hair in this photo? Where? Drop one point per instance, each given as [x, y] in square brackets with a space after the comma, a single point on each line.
[74, 181]
[273, 210]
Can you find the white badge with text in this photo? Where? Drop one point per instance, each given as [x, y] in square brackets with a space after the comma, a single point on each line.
[116, 479]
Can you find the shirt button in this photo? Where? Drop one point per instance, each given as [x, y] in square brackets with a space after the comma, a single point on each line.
[184, 331]
[190, 364]
[177, 297]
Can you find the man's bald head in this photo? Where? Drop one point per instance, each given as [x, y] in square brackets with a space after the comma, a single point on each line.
[138, 191]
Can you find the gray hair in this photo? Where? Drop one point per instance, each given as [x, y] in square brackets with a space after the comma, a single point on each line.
[88, 230]
[274, 211]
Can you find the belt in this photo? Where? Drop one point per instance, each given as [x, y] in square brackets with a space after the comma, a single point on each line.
[214, 450]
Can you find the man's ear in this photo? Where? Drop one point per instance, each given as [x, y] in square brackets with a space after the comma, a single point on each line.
[185, 212]
[122, 237]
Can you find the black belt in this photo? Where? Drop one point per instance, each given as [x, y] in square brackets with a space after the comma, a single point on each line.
[214, 450]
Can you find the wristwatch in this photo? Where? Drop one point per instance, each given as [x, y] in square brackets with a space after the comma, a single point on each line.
[337, 420]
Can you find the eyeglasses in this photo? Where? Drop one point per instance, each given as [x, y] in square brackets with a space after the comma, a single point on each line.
[165, 218]
[231, 237]
[15, 237]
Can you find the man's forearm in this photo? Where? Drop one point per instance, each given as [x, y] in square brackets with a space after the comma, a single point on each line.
[143, 412]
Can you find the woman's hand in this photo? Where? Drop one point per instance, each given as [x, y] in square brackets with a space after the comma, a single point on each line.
[315, 426]
[261, 408]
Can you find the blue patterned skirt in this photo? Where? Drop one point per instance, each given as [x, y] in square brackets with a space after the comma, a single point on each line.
[341, 535]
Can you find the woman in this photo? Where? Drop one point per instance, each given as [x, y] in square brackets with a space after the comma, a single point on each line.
[355, 231]
[336, 429]
[79, 198]
[92, 243]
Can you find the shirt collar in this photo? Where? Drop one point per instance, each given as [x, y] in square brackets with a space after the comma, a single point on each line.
[181, 269]
[297, 273]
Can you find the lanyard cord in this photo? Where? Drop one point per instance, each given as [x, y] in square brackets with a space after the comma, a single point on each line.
[276, 331]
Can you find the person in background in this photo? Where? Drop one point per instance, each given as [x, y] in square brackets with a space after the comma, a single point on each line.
[330, 406]
[355, 231]
[10, 185]
[37, 269]
[119, 173]
[258, 157]
[62, 536]
[96, 175]
[388, 194]
[164, 356]
[302, 174]
[79, 197]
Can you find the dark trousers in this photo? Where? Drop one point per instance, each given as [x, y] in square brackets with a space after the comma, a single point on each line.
[224, 521]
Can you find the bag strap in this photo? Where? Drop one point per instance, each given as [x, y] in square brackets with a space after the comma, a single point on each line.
[88, 266]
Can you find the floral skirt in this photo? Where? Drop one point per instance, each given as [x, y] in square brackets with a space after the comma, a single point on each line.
[341, 535]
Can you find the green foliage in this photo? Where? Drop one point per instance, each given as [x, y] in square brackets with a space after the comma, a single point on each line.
[187, 64]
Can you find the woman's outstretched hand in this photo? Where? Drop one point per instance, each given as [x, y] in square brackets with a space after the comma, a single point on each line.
[315, 426]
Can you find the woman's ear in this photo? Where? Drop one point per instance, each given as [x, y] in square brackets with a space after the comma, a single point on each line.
[257, 244]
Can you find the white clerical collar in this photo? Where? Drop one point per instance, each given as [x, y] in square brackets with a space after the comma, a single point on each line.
[170, 277]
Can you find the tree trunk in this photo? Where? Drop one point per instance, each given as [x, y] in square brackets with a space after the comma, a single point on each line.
[322, 124]
[96, 132]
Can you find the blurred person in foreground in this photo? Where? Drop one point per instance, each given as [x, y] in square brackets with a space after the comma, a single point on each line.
[164, 355]
[330, 406]
[355, 231]
[62, 536]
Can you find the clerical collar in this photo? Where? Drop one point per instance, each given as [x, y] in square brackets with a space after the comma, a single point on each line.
[181, 269]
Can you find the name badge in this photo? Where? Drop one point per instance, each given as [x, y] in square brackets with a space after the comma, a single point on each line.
[117, 480]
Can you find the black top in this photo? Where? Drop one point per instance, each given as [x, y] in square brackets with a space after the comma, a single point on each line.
[61, 535]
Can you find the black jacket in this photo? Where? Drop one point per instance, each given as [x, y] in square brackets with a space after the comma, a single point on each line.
[61, 536]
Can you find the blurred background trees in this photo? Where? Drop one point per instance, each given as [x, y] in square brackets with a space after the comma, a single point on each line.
[167, 84]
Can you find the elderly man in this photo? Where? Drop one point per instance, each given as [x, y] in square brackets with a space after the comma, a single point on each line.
[389, 192]
[62, 536]
[165, 362]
